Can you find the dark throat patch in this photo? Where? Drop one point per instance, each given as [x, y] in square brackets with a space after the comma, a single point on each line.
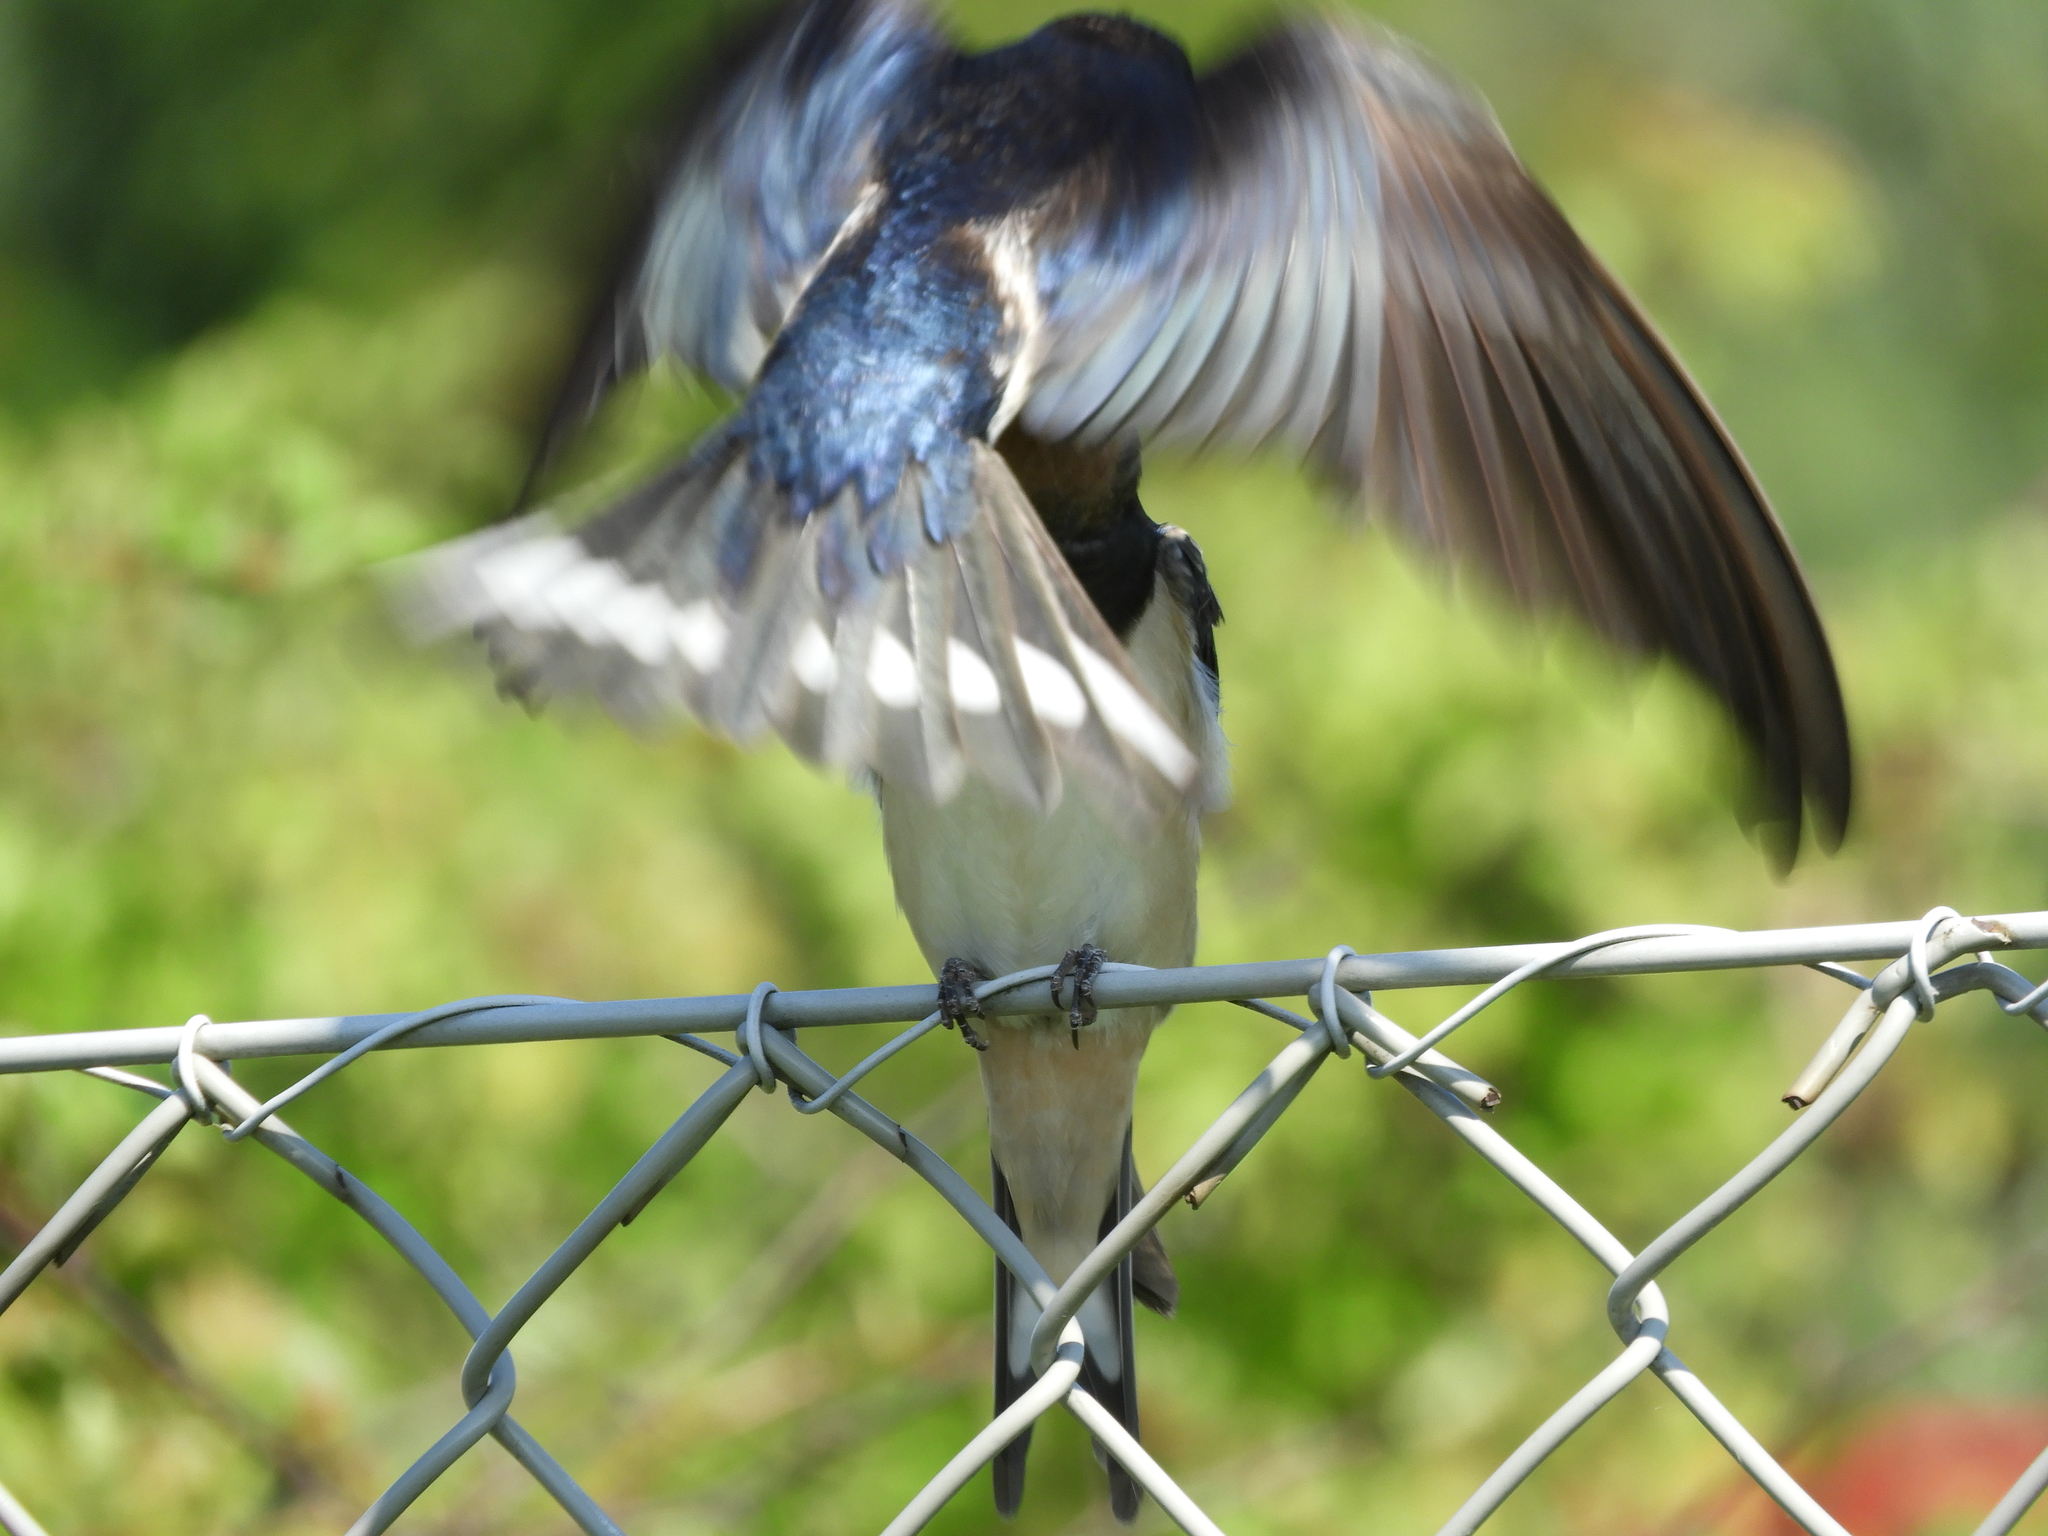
[1088, 500]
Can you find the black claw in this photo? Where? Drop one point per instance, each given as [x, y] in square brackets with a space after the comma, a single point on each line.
[957, 1002]
[1081, 966]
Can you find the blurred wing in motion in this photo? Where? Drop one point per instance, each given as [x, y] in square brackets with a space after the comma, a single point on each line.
[700, 591]
[775, 156]
[1351, 261]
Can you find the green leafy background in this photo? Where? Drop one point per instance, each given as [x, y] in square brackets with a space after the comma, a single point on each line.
[280, 291]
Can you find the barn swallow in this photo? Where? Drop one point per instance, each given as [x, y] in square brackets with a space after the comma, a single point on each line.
[955, 294]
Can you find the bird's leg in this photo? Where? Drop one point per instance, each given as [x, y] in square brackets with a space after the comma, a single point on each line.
[1081, 966]
[957, 1002]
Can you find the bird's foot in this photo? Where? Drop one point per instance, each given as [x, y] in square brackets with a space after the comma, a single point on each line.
[957, 1002]
[1081, 966]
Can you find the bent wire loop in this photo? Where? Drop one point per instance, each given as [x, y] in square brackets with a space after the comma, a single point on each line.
[1929, 967]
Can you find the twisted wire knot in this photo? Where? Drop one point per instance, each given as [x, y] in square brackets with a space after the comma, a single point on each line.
[750, 1036]
[187, 1075]
[1326, 1001]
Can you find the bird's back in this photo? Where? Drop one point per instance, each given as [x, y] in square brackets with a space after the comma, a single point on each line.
[915, 333]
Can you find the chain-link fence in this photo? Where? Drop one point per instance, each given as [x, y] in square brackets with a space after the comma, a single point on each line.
[1932, 960]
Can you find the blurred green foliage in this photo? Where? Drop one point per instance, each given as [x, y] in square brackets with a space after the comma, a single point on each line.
[279, 288]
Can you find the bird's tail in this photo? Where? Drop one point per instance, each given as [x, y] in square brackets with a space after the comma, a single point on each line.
[1145, 1275]
[936, 633]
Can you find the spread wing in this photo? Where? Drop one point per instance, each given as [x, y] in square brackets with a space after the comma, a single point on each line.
[700, 591]
[1350, 260]
[774, 155]
[935, 636]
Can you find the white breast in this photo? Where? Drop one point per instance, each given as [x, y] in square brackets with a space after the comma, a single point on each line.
[989, 881]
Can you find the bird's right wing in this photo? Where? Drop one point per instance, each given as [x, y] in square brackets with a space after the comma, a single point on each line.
[774, 156]
[1334, 248]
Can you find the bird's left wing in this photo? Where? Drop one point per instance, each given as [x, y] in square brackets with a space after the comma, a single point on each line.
[1334, 248]
[776, 151]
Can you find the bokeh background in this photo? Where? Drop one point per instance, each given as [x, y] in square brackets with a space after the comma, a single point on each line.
[281, 291]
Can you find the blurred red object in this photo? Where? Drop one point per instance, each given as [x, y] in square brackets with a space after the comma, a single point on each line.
[1913, 1469]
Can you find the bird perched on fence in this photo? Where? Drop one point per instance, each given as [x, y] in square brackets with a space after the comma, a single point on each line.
[955, 293]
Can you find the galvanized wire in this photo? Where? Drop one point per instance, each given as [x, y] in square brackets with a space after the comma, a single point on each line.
[1929, 964]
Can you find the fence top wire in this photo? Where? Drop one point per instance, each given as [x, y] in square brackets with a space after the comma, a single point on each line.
[1931, 961]
[501, 1022]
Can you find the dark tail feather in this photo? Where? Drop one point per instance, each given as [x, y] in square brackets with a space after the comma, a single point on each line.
[1011, 1378]
[1153, 1282]
[1120, 1397]
[1145, 1276]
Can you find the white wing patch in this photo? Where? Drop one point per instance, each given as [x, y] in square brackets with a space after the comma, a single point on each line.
[700, 633]
[1055, 697]
[512, 578]
[638, 619]
[582, 594]
[813, 662]
[551, 583]
[1129, 714]
[973, 685]
[892, 671]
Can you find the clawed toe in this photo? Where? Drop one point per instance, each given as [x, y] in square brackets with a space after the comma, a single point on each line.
[957, 1002]
[1081, 966]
